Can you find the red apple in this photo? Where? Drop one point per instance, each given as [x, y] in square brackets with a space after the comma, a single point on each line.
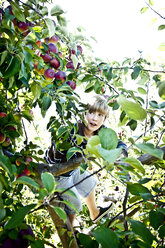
[18, 161]
[27, 172]
[11, 128]
[46, 57]
[79, 49]
[61, 76]
[2, 138]
[31, 112]
[39, 71]
[28, 160]
[7, 142]
[52, 48]
[60, 55]
[39, 43]
[54, 39]
[10, 9]
[49, 74]
[22, 26]
[72, 84]
[69, 65]
[3, 114]
[55, 63]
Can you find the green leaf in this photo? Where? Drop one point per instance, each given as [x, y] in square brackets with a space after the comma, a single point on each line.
[2, 213]
[18, 13]
[132, 124]
[27, 180]
[3, 56]
[149, 148]
[87, 241]
[92, 145]
[18, 217]
[36, 90]
[75, 60]
[144, 180]
[13, 68]
[109, 155]
[137, 189]
[37, 244]
[46, 102]
[132, 109]
[161, 231]
[8, 31]
[161, 27]
[48, 181]
[72, 151]
[51, 26]
[136, 71]
[135, 164]
[141, 230]
[61, 213]
[156, 218]
[6, 164]
[106, 237]
[108, 138]
[56, 10]
[142, 91]
[144, 9]
[70, 205]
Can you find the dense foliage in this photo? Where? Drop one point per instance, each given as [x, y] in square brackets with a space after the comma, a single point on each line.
[43, 65]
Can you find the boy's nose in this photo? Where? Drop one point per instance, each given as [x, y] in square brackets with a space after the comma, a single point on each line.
[94, 116]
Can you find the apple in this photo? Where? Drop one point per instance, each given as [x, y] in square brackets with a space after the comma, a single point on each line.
[10, 243]
[31, 112]
[60, 55]
[39, 43]
[72, 84]
[7, 142]
[46, 57]
[28, 160]
[2, 138]
[2, 114]
[11, 128]
[10, 9]
[26, 171]
[54, 39]
[18, 161]
[22, 26]
[39, 71]
[55, 63]
[49, 74]
[79, 49]
[69, 65]
[61, 76]
[52, 48]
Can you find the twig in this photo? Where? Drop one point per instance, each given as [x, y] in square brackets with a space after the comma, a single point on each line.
[160, 137]
[155, 11]
[136, 203]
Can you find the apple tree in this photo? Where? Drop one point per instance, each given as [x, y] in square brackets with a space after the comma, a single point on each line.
[42, 65]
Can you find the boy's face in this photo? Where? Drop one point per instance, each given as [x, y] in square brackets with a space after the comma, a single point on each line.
[94, 120]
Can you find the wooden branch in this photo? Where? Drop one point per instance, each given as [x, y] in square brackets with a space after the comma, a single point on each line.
[148, 159]
[60, 168]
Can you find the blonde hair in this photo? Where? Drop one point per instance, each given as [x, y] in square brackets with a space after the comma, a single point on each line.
[98, 104]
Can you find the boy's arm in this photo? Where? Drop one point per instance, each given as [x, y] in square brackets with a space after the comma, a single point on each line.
[124, 148]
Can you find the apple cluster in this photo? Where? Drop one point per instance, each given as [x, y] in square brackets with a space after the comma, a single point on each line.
[53, 59]
[21, 241]
[24, 165]
[22, 27]
[5, 130]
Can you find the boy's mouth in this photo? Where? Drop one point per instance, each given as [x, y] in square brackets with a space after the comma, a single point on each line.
[93, 124]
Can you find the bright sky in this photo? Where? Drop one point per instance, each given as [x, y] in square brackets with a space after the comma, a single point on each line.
[119, 27]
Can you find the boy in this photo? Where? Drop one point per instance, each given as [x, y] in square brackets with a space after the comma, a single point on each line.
[96, 114]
